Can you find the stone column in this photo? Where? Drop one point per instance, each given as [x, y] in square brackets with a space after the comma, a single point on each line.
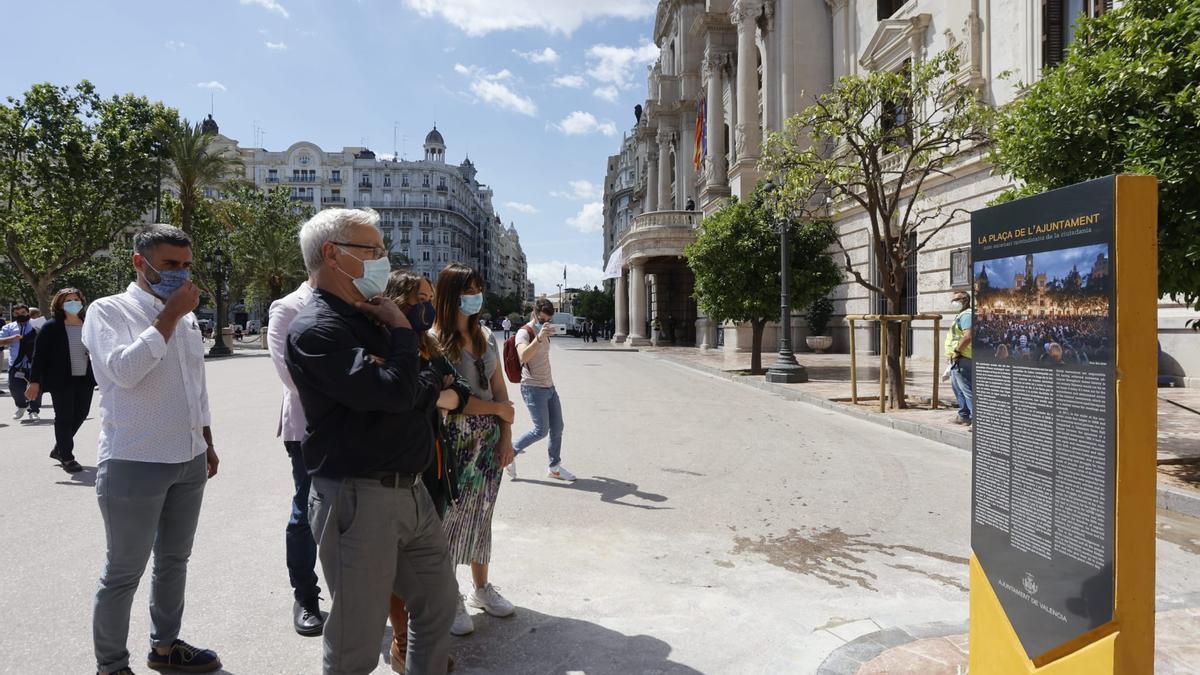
[637, 305]
[652, 179]
[749, 135]
[621, 298]
[664, 171]
[714, 162]
[685, 172]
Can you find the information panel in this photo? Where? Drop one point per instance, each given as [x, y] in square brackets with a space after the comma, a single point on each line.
[1044, 454]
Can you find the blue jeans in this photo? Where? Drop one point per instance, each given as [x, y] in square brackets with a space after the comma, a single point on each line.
[546, 410]
[301, 548]
[16, 386]
[961, 380]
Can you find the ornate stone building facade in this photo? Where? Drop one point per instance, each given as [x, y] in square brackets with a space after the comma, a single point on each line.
[431, 212]
[742, 67]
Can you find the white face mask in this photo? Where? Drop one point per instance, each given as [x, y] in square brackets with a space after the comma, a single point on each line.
[958, 305]
[375, 275]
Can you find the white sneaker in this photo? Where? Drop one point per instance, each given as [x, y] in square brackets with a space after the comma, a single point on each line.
[34, 417]
[489, 600]
[557, 471]
[463, 625]
[19, 414]
[511, 469]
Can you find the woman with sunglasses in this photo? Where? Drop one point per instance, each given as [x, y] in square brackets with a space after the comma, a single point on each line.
[413, 294]
[61, 366]
[480, 439]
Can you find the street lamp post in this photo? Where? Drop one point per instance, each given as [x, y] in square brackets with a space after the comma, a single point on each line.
[221, 268]
[785, 369]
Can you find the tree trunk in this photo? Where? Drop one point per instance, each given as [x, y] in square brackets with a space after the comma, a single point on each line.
[44, 291]
[756, 326]
[895, 381]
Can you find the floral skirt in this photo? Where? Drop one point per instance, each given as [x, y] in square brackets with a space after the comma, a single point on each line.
[472, 441]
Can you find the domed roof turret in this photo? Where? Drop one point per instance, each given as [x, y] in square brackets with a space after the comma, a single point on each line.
[434, 136]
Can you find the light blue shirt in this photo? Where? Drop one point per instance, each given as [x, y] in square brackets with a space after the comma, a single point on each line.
[10, 329]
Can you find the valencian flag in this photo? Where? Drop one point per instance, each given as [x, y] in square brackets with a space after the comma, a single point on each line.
[701, 136]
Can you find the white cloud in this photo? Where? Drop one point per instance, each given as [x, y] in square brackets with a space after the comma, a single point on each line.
[523, 208]
[607, 93]
[589, 219]
[211, 84]
[547, 55]
[270, 6]
[277, 46]
[619, 65]
[582, 190]
[176, 44]
[579, 123]
[479, 17]
[501, 96]
[570, 81]
[491, 88]
[547, 275]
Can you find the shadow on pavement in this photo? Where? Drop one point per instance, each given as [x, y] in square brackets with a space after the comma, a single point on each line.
[85, 478]
[610, 490]
[532, 642]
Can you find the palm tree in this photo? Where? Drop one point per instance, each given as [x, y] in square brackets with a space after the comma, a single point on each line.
[195, 165]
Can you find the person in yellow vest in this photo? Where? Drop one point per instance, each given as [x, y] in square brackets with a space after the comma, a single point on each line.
[958, 352]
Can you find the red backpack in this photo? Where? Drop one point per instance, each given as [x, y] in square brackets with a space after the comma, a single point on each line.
[512, 361]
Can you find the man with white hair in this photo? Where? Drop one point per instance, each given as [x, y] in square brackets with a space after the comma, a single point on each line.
[353, 358]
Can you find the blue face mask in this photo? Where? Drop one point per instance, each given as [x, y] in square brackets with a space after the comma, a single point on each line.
[375, 275]
[73, 307]
[421, 316]
[168, 282]
[471, 304]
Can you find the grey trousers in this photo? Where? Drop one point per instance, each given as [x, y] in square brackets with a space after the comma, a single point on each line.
[146, 507]
[374, 541]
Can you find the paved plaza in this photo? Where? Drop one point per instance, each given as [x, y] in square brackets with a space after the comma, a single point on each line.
[714, 528]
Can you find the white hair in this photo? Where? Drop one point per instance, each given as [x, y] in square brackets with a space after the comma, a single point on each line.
[330, 225]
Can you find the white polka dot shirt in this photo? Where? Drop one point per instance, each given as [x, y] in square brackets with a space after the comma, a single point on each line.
[153, 396]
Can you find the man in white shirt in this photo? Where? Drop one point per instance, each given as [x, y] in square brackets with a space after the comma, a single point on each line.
[301, 548]
[19, 336]
[507, 325]
[156, 451]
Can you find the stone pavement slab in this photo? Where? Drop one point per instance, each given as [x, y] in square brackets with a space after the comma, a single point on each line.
[714, 529]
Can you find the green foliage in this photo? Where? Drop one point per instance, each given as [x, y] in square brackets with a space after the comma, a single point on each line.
[595, 304]
[264, 239]
[195, 165]
[874, 141]
[736, 258]
[75, 171]
[1125, 100]
[819, 313]
[503, 305]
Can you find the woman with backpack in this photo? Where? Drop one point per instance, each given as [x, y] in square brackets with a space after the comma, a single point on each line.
[479, 439]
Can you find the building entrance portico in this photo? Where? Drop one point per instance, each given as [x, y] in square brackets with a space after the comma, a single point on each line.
[655, 303]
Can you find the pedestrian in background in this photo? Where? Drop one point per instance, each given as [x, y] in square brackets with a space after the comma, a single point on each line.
[958, 352]
[62, 368]
[507, 326]
[301, 549]
[414, 295]
[156, 449]
[20, 336]
[538, 391]
[353, 357]
[479, 439]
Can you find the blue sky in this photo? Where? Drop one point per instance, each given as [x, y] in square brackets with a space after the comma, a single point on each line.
[1055, 264]
[538, 92]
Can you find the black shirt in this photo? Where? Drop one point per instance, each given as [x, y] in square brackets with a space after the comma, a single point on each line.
[362, 417]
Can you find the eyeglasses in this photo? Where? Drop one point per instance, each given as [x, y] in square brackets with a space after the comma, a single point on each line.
[379, 251]
[481, 370]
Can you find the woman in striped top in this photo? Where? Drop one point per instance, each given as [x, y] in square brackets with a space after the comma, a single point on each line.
[61, 367]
